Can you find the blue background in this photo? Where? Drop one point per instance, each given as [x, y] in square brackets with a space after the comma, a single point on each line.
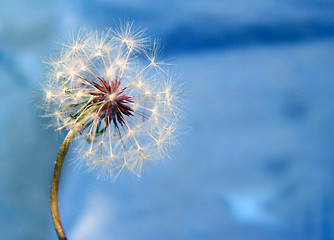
[256, 157]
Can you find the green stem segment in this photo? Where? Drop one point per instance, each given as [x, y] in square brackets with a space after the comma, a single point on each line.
[55, 182]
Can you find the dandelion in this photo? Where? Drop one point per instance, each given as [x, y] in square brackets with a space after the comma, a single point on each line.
[115, 98]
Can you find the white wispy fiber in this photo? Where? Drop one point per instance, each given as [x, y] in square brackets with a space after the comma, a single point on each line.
[111, 84]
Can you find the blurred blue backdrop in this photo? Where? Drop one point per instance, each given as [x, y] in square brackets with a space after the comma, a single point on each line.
[258, 162]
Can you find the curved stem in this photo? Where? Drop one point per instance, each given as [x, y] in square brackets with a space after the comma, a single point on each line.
[55, 182]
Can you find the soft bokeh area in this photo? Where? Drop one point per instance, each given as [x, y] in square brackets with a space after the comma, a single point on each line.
[256, 157]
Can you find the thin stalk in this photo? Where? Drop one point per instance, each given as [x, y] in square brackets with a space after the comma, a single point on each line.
[55, 183]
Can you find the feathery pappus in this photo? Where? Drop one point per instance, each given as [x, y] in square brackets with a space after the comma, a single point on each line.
[124, 101]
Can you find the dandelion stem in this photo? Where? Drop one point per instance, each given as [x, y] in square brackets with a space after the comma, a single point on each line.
[55, 182]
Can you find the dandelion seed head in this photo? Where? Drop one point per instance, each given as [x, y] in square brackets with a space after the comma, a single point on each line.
[48, 94]
[111, 86]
